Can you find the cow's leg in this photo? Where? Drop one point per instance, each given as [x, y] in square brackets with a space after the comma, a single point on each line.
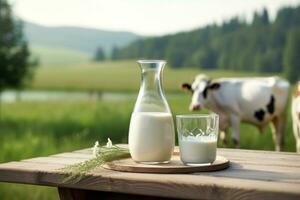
[296, 123]
[277, 131]
[223, 125]
[298, 139]
[297, 135]
[296, 129]
[223, 137]
[235, 123]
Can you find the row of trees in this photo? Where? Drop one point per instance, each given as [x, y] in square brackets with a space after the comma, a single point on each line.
[261, 45]
[101, 55]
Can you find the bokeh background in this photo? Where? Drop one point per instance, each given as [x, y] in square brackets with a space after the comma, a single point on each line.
[69, 77]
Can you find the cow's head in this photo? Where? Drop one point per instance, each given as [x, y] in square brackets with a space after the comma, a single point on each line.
[200, 89]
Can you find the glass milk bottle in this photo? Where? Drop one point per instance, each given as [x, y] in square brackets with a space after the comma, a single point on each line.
[151, 131]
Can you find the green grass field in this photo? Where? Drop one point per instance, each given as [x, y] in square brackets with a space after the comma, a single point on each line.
[113, 76]
[29, 129]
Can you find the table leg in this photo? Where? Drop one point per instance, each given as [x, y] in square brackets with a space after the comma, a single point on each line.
[77, 194]
[71, 194]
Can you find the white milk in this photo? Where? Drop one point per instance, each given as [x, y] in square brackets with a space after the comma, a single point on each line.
[151, 136]
[196, 150]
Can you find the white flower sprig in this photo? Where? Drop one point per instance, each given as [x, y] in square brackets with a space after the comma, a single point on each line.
[96, 149]
[101, 155]
[109, 143]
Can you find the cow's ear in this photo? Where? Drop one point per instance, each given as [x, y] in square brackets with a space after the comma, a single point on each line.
[186, 86]
[214, 86]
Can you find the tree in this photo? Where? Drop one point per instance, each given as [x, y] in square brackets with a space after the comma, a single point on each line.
[291, 60]
[15, 66]
[114, 53]
[205, 58]
[261, 19]
[99, 55]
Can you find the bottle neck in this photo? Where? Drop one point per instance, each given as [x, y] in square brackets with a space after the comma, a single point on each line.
[151, 81]
[152, 76]
[151, 97]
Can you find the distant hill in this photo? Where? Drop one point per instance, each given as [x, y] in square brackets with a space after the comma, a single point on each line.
[75, 38]
[58, 56]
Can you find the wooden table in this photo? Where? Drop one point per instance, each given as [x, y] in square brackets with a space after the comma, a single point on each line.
[252, 175]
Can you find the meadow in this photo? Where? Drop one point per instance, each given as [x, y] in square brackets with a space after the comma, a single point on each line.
[112, 76]
[29, 129]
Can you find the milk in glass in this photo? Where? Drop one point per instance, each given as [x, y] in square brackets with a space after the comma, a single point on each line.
[198, 135]
[196, 150]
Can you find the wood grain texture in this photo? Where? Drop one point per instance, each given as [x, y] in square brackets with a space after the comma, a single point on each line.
[251, 175]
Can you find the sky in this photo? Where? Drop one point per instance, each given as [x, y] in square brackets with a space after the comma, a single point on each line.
[144, 17]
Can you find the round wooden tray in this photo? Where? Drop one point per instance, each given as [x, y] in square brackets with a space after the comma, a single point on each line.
[174, 167]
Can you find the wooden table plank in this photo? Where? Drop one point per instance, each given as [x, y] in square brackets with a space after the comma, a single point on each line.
[56, 160]
[73, 155]
[247, 172]
[252, 175]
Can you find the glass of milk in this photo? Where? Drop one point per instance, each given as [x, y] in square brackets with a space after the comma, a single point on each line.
[197, 136]
[151, 137]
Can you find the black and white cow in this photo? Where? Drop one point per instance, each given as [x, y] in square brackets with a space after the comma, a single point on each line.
[296, 116]
[257, 101]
